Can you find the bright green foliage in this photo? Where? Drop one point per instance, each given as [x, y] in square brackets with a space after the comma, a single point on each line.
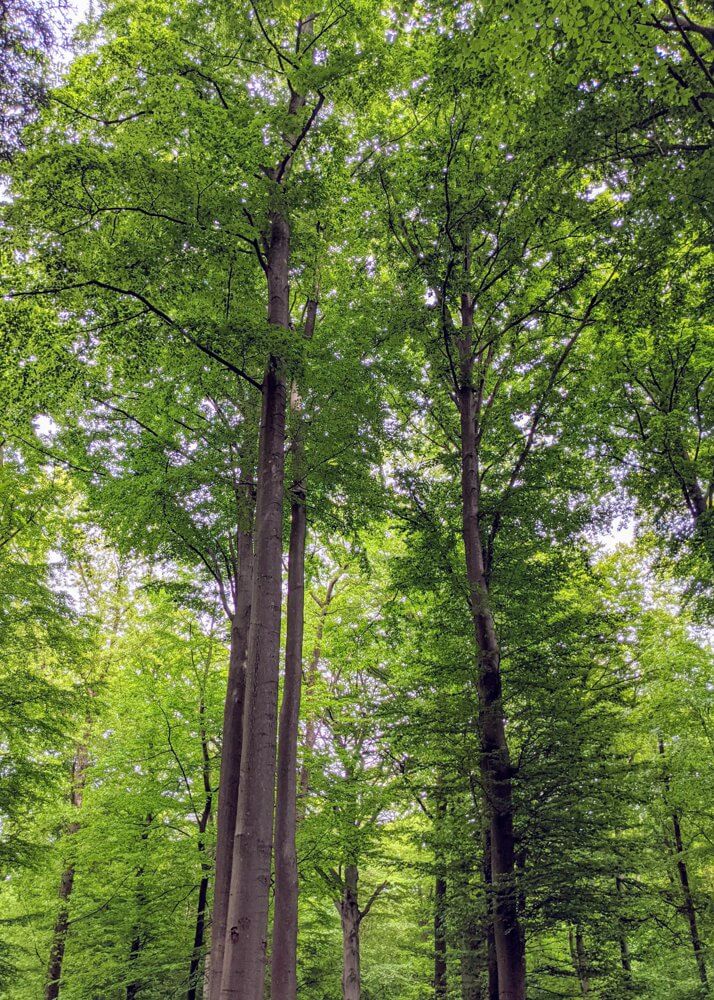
[546, 167]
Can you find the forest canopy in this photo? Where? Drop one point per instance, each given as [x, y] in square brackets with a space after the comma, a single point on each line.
[357, 500]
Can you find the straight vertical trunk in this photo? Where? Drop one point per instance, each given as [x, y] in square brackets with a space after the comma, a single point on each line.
[689, 908]
[350, 918]
[246, 938]
[310, 680]
[59, 936]
[203, 821]
[495, 760]
[283, 979]
[492, 964]
[230, 760]
[473, 962]
[624, 949]
[137, 942]
[285, 926]
[440, 965]
[579, 957]
[193, 972]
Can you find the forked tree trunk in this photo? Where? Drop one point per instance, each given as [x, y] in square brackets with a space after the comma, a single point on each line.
[246, 938]
[350, 918]
[230, 759]
[494, 760]
[59, 935]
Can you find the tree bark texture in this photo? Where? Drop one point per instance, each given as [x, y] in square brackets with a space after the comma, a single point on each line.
[59, 934]
[230, 759]
[495, 762]
[350, 919]
[284, 954]
[246, 937]
[689, 908]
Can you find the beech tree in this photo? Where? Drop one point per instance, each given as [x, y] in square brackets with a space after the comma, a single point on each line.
[340, 345]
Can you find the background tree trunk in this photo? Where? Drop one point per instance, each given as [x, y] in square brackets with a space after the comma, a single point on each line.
[203, 821]
[579, 957]
[688, 899]
[350, 918]
[440, 958]
[59, 935]
[137, 942]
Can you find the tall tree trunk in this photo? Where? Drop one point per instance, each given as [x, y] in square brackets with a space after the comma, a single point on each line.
[492, 963]
[689, 908]
[284, 953]
[495, 760]
[283, 979]
[473, 961]
[246, 937]
[440, 964]
[198, 937]
[137, 942]
[310, 681]
[230, 759]
[440, 967]
[688, 899]
[350, 918]
[59, 935]
[203, 821]
[579, 957]
[622, 938]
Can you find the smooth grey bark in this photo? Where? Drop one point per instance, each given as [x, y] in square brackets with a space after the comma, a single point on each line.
[247, 926]
[246, 937]
[310, 681]
[230, 758]
[283, 979]
[496, 771]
